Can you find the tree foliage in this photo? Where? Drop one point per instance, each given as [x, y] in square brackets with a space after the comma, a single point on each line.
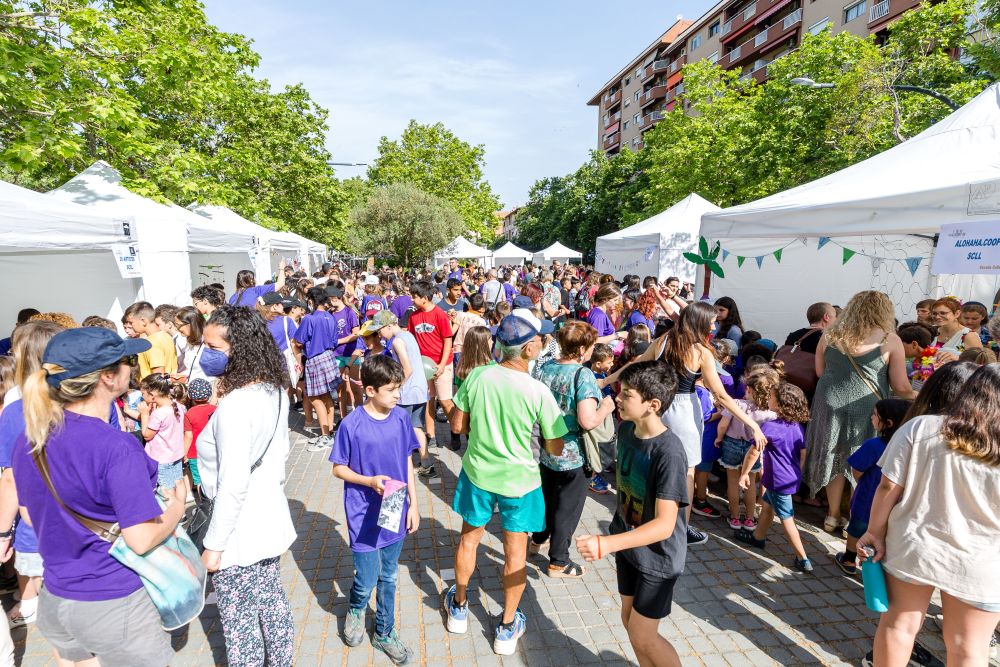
[734, 141]
[402, 223]
[168, 100]
[435, 160]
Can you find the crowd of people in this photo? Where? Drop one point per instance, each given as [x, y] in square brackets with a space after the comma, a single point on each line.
[553, 382]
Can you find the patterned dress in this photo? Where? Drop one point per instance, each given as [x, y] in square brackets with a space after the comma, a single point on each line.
[841, 414]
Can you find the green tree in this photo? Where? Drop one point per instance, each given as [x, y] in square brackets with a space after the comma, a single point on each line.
[439, 163]
[402, 223]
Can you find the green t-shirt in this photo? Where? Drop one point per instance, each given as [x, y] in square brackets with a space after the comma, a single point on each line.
[503, 405]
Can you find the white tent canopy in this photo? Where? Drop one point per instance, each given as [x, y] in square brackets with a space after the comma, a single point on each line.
[509, 253]
[656, 246]
[269, 246]
[463, 248]
[162, 230]
[39, 235]
[869, 226]
[555, 251]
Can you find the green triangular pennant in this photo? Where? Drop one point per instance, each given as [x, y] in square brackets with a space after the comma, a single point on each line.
[848, 253]
[740, 260]
[777, 254]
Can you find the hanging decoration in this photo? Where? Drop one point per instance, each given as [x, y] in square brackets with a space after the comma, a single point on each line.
[847, 254]
[777, 255]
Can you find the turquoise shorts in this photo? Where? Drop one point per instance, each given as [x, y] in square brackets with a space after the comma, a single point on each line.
[343, 362]
[524, 514]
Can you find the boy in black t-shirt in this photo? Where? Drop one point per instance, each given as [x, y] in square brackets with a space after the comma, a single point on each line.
[649, 530]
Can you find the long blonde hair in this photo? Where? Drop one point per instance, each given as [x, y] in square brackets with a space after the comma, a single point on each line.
[27, 346]
[44, 404]
[865, 312]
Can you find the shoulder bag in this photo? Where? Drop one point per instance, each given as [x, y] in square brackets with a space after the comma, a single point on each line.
[199, 517]
[864, 378]
[800, 366]
[171, 573]
[290, 361]
[591, 440]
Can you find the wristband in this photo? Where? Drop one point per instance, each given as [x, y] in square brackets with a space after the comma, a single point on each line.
[7, 534]
[599, 556]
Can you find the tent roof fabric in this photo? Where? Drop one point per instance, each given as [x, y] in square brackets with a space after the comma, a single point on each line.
[227, 218]
[509, 250]
[463, 247]
[557, 250]
[947, 173]
[32, 220]
[685, 215]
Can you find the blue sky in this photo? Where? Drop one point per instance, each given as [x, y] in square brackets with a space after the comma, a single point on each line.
[514, 76]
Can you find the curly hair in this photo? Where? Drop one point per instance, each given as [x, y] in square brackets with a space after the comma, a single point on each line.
[791, 403]
[646, 303]
[253, 354]
[865, 312]
[65, 320]
[761, 381]
[969, 426]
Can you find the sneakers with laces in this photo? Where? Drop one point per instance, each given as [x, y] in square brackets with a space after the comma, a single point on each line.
[704, 508]
[392, 647]
[749, 523]
[458, 616]
[736, 522]
[323, 442]
[695, 536]
[354, 627]
[747, 537]
[505, 639]
[803, 565]
[427, 472]
[846, 566]
[599, 486]
[919, 657]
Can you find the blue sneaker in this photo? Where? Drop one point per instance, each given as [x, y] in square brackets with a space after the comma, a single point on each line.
[505, 640]
[598, 485]
[458, 616]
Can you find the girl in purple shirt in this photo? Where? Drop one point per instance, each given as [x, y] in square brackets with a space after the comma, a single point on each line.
[605, 299]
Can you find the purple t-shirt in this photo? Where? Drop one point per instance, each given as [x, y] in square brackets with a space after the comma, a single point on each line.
[248, 297]
[345, 320]
[638, 318]
[369, 447]
[372, 302]
[782, 470]
[277, 329]
[509, 292]
[400, 307]
[598, 319]
[317, 332]
[865, 460]
[101, 473]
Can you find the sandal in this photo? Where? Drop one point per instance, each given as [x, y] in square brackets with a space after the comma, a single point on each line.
[534, 548]
[569, 571]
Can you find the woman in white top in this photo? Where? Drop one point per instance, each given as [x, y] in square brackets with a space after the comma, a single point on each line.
[191, 324]
[952, 337]
[241, 457]
[934, 525]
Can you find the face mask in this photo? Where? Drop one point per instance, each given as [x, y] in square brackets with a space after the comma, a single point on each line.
[213, 363]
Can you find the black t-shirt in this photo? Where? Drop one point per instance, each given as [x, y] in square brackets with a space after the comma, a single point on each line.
[809, 343]
[648, 470]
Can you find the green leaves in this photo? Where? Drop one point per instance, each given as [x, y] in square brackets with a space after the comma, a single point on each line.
[707, 258]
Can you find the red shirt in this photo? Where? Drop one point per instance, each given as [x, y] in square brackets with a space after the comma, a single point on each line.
[195, 420]
[431, 329]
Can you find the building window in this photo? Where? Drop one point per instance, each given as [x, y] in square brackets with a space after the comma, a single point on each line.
[605, 122]
[625, 125]
[819, 26]
[638, 94]
[638, 73]
[627, 101]
[628, 80]
[635, 118]
[713, 29]
[695, 42]
[854, 11]
[714, 58]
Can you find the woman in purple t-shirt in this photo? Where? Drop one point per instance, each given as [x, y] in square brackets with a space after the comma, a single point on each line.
[604, 300]
[91, 605]
[247, 289]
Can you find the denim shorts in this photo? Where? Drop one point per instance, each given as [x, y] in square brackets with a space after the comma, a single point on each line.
[167, 474]
[781, 503]
[733, 453]
[525, 514]
[857, 527]
[417, 412]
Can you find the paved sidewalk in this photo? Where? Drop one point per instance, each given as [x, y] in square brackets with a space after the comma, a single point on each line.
[733, 606]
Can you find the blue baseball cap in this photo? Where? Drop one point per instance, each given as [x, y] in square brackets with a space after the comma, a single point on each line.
[88, 349]
[522, 301]
[521, 326]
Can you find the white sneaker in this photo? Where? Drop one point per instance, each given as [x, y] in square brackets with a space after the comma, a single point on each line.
[322, 442]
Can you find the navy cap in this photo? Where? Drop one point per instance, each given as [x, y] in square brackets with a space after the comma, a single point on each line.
[291, 303]
[88, 349]
[334, 292]
[521, 326]
[522, 301]
[271, 298]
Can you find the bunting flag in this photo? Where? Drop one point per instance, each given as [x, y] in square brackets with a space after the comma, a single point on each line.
[823, 240]
[777, 254]
[848, 253]
[913, 263]
[740, 260]
[725, 255]
[760, 260]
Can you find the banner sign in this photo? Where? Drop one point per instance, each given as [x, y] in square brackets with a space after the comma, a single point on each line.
[968, 248]
[127, 258]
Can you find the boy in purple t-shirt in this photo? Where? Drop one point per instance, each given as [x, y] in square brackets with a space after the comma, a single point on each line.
[783, 457]
[371, 454]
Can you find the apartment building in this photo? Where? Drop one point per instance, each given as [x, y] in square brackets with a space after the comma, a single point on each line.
[507, 227]
[737, 34]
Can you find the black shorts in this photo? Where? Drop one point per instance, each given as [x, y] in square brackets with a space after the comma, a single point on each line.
[651, 596]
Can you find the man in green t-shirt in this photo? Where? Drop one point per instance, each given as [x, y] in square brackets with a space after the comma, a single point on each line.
[498, 406]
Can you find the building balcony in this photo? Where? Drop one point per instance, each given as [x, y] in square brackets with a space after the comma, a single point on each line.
[763, 40]
[613, 141]
[734, 24]
[884, 12]
[879, 11]
[612, 119]
[611, 129]
[654, 68]
[653, 94]
[651, 119]
[677, 64]
[612, 100]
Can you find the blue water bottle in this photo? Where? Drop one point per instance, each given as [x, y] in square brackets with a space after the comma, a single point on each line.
[876, 595]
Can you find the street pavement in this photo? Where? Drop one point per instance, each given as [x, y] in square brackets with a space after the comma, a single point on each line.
[733, 605]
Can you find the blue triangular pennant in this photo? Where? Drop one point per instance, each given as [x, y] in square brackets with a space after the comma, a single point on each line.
[913, 263]
[760, 260]
[725, 254]
[823, 240]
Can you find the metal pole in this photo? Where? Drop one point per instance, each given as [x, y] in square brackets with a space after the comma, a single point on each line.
[930, 93]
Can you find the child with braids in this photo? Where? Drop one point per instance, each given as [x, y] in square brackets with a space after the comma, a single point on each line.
[783, 455]
[161, 415]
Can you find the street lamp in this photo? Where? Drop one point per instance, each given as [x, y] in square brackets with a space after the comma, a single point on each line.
[809, 83]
